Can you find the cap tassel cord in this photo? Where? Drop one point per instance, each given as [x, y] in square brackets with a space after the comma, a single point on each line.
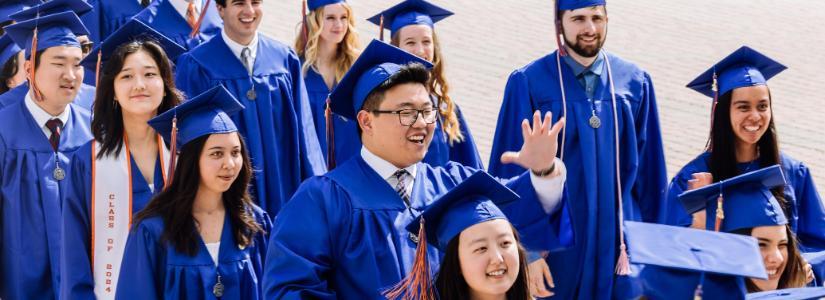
[97, 66]
[330, 132]
[559, 33]
[720, 213]
[381, 28]
[715, 87]
[304, 25]
[173, 151]
[37, 95]
[197, 28]
[417, 285]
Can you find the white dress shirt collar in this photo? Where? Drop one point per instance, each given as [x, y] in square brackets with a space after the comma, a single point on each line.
[41, 116]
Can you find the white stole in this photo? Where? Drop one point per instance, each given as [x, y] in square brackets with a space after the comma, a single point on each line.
[111, 209]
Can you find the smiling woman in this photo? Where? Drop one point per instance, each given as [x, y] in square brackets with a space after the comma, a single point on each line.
[743, 138]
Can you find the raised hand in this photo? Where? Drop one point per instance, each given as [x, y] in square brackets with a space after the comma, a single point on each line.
[540, 146]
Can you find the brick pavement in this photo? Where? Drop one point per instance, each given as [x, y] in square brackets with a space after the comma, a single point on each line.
[673, 40]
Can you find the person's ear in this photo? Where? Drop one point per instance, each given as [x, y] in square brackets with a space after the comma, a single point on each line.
[365, 122]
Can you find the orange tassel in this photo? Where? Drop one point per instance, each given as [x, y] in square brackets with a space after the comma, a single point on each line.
[173, 151]
[97, 67]
[330, 137]
[417, 285]
[715, 87]
[197, 28]
[381, 28]
[720, 214]
[37, 95]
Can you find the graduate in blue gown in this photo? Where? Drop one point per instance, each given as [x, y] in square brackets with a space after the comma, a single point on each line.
[86, 94]
[329, 24]
[202, 237]
[167, 19]
[476, 240]
[113, 163]
[732, 150]
[357, 245]
[277, 121]
[34, 158]
[412, 28]
[683, 263]
[745, 205]
[589, 96]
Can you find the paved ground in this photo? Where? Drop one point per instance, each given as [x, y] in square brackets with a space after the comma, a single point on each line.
[673, 40]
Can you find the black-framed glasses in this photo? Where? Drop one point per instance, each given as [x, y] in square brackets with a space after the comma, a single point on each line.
[407, 117]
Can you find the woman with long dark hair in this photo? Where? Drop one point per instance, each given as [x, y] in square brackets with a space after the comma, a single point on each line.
[743, 138]
[113, 176]
[201, 237]
[482, 255]
[746, 204]
[412, 28]
[327, 46]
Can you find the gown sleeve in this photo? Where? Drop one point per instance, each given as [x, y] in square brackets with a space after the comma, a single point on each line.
[651, 179]
[811, 229]
[75, 263]
[515, 107]
[142, 267]
[301, 255]
[314, 158]
[189, 77]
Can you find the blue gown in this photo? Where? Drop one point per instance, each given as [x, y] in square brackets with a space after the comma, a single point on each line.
[30, 201]
[807, 213]
[107, 16]
[277, 125]
[75, 261]
[152, 269]
[317, 92]
[356, 244]
[162, 16]
[85, 96]
[589, 266]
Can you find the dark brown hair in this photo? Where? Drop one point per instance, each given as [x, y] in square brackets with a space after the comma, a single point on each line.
[9, 70]
[450, 282]
[794, 274]
[174, 204]
[107, 123]
[722, 146]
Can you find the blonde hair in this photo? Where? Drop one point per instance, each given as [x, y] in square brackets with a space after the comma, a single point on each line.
[438, 86]
[348, 49]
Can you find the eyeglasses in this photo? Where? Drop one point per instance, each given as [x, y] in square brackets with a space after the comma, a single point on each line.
[86, 47]
[407, 117]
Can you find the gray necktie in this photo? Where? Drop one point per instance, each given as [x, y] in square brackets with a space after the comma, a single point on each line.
[245, 59]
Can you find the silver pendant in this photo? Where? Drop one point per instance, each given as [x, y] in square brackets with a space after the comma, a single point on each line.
[414, 237]
[251, 94]
[58, 173]
[595, 122]
[217, 290]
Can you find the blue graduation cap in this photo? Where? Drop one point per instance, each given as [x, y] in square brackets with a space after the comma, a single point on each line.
[207, 113]
[79, 7]
[315, 4]
[746, 200]
[803, 293]
[409, 12]
[377, 63]
[7, 8]
[60, 29]
[743, 67]
[474, 200]
[679, 261]
[134, 30]
[576, 4]
[7, 49]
